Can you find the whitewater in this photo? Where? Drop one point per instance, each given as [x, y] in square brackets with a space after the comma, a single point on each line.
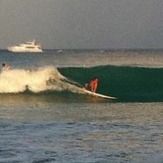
[38, 80]
[46, 117]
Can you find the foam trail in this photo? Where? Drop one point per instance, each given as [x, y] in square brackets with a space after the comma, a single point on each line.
[41, 79]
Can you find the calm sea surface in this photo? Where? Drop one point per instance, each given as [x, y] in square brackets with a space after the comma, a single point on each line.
[49, 123]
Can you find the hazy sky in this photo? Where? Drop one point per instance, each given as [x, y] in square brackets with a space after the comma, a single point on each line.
[82, 23]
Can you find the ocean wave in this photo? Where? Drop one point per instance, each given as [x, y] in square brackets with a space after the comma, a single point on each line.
[128, 84]
[34, 80]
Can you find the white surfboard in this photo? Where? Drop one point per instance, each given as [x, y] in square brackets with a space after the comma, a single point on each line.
[99, 95]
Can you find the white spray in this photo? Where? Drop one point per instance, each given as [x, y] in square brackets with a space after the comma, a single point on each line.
[38, 80]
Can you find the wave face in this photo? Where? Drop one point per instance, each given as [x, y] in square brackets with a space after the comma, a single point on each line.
[128, 84]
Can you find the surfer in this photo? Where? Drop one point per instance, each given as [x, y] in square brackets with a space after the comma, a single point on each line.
[5, 67]
[94, 84]
[91, 88]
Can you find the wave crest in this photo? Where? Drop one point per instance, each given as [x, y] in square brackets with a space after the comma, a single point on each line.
[35, 80]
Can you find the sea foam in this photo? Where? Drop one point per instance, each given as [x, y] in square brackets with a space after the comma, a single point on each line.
[35, 80]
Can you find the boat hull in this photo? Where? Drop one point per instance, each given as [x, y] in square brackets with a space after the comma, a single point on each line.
[22, 49]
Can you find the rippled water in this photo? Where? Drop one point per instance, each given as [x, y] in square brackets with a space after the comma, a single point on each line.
[81, 132]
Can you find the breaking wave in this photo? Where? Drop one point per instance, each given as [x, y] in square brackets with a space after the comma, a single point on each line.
[128, 84]
[35, 80]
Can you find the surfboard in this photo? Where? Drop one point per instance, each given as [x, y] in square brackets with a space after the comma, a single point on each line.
[99, 95]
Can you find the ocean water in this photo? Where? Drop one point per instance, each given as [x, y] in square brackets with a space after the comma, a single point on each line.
[46, 117]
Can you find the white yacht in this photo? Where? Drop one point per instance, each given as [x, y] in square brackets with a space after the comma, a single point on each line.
[31, 46]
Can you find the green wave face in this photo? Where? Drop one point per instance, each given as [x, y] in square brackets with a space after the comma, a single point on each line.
[129, 84]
